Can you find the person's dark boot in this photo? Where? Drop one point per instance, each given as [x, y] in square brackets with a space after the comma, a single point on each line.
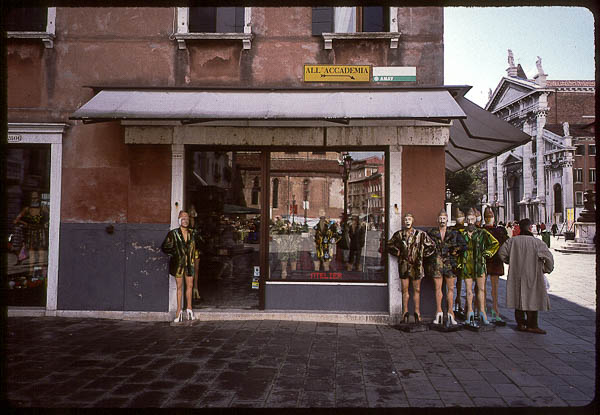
[532, 323]
[521, 321]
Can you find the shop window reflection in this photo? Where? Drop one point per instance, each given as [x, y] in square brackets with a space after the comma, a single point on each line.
[27, 223]
[339, 233]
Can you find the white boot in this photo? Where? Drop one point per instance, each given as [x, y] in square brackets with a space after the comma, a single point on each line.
[179, 317]
[190, 314]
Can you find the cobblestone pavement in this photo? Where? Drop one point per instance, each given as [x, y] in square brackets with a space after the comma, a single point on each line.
[71, 362]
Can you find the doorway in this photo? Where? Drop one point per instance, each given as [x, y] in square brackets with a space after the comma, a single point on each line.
[27, 222]
[223, 199]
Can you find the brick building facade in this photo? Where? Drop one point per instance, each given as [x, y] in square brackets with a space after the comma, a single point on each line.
[138, 108]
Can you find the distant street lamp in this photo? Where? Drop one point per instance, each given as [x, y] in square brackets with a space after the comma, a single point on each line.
[347, 165]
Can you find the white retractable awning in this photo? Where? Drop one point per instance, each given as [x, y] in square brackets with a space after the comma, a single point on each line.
[194, 106]
[475, 134]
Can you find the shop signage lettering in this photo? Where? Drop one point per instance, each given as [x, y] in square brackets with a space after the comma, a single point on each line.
[15, 138]
[325, 275]
[337, 73]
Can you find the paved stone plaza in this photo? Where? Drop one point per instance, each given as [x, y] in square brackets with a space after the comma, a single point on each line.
[73, 362]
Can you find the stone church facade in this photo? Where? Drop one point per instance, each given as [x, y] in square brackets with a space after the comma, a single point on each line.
[536, 180]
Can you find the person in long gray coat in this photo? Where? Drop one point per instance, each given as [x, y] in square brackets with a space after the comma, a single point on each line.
[528, 258]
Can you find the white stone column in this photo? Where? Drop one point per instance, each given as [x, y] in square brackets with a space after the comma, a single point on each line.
[527, 168]
[394, 201]
[541, 182]
[177, 164]
[491, 179]
[567, 187]
[54, 227]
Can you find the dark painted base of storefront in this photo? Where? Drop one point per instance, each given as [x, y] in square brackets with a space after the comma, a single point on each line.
[321, 297]
[112, 267]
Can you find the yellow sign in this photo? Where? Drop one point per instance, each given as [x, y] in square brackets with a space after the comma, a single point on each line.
[337, 73]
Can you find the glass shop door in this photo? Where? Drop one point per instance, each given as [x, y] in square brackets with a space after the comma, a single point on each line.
[223, 199]
[27, 219]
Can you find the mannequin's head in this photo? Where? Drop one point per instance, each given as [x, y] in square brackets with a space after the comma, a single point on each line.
[442, 218]
[34, 199]
[460, 217]
[488, 216]
[184, 219]
[409, 220]
[471, 219]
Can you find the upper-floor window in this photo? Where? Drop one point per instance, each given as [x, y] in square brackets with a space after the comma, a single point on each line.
[31, 23]
[224, 23]
[579, 198]
[592, 176]
[26, 19]
[578, 175]
[592, 150]
[216, 20]
[580, 150]
[356, 23]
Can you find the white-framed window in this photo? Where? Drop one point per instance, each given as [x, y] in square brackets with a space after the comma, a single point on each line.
[579, 198]
[592, 150]
[578, 175]
[580, 150]
[592, 176]
[213, 23]
[31, 23]
[375, 22]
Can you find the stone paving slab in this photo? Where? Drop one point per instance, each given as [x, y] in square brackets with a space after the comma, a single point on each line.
[96, 363]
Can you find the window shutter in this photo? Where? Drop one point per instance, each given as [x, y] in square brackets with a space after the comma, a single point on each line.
[322, 20]
[202, 19]
[225, 19]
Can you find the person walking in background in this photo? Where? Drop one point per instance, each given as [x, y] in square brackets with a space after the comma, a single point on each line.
[554, 229]
[528, 258]
[516, 229]
[509, 229]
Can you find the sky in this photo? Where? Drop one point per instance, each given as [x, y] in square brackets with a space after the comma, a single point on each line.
[477, 39]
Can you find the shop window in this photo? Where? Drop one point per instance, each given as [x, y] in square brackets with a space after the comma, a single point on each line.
[355, 23]
[580, 150]
[592, 176]
[592, 150]
[578, 175]
[31, 23]
[312, 241]
[213, 23]
[579, 198]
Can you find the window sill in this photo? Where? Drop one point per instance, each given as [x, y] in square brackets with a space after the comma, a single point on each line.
[393, 36]
[246, 38]
[47, 38]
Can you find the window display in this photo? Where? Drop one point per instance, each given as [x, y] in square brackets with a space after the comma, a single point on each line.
[328, 219]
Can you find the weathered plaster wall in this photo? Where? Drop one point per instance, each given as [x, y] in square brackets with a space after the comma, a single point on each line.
[423, 183]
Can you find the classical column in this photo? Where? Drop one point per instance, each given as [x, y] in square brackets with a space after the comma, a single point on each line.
[541, 177]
